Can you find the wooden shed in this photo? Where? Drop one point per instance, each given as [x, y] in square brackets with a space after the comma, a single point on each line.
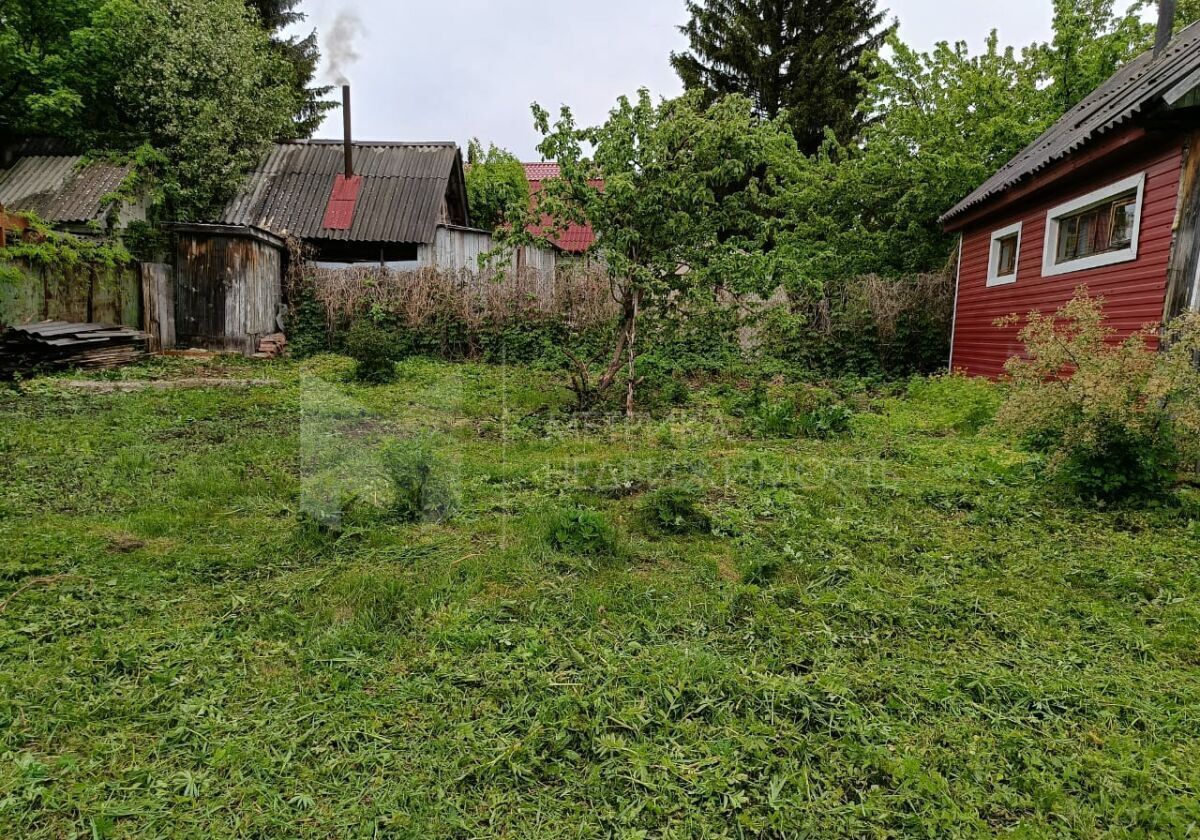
[1108, 198]
[226, 291]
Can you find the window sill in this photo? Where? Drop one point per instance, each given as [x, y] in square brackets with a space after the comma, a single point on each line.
[1088, 263]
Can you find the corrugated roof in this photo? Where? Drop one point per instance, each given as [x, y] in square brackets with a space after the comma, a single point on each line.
[1136, 88]
[61, 189]
[576, 238]
[541, 171]
[403, 187]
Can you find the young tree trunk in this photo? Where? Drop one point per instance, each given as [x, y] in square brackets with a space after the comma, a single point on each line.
[631, 386]
[624, 354]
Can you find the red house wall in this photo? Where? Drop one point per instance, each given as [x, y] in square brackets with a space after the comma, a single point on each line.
[1134, 292]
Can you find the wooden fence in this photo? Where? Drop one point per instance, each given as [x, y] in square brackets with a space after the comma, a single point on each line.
[29, 294]
[457, 249]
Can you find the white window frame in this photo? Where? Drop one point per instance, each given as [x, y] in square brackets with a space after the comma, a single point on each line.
[994, 278]
[1052, 268]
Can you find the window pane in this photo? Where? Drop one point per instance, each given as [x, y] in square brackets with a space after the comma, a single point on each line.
[1122, 225]
[1007, 263]
[1086, 244]
[1097, 230]
[1068, 238]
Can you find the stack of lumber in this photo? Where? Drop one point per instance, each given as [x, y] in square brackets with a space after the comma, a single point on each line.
[272, 346]
[59, 345]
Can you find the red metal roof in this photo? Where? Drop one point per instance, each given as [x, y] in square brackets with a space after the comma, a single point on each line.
[576, 239]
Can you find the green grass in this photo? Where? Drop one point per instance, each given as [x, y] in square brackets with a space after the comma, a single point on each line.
[896, 632]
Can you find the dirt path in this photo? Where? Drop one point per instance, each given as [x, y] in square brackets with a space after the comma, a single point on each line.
[106, 387]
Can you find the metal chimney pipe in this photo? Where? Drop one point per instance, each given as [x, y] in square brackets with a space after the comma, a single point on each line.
[346, 131]
[1166, 25]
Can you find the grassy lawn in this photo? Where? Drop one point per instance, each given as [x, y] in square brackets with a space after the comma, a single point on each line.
[894, 633]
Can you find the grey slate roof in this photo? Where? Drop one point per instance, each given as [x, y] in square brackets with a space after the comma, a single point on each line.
[59, 189]
[1137, 88]
[403, 187]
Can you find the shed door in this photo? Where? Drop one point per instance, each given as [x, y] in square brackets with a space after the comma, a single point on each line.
[200, 280]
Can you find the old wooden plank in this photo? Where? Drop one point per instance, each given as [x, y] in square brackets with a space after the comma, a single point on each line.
[1184, 271]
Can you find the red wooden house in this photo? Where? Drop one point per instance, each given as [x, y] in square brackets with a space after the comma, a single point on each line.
[1107, 198]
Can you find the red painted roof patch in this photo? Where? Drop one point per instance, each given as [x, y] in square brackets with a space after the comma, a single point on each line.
[339, 215]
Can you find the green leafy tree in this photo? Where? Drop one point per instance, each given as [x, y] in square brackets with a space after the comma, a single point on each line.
[1090, 42]
[201, 82]
[944, 122]
[277, 15]
[805, 57]
[497, 188]
[36, 95]
[1187, 14]
[681, 213]
[304, 55]
[61, 60]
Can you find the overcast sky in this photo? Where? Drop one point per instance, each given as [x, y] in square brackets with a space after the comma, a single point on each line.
[456, 69]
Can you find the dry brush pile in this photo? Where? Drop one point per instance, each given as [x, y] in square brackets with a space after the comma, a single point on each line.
[470, 304]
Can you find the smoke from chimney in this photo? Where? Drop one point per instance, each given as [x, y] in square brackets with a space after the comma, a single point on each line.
[1166, 25]
[340, 52]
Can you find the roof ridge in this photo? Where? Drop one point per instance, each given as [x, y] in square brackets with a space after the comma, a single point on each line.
[377, 143]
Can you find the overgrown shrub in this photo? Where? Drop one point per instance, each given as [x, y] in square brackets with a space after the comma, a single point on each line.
[305, 327]
[374, 350]
[675, 510]
[865, 326]
[817, 413]
[421, 488]
[581, 531]
[825, 420]
[696, 334]
[1115, 420]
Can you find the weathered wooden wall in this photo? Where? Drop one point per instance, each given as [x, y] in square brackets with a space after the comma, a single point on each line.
[227, 291]
[158, 296]
[1183, 281]
[459, 249]
[29, 294]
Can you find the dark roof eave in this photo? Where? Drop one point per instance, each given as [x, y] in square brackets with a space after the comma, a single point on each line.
[246, 231]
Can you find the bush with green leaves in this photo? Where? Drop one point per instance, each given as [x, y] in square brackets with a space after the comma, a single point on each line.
[581, 531]
[374, 350]
[421, 486]
[826, 420]
[307, 331]
[817, 413]
[1115, 419]
[496, 185]
[675, 511]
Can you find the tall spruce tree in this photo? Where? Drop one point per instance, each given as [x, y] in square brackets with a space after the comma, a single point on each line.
[303, 55]
[805, 56]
